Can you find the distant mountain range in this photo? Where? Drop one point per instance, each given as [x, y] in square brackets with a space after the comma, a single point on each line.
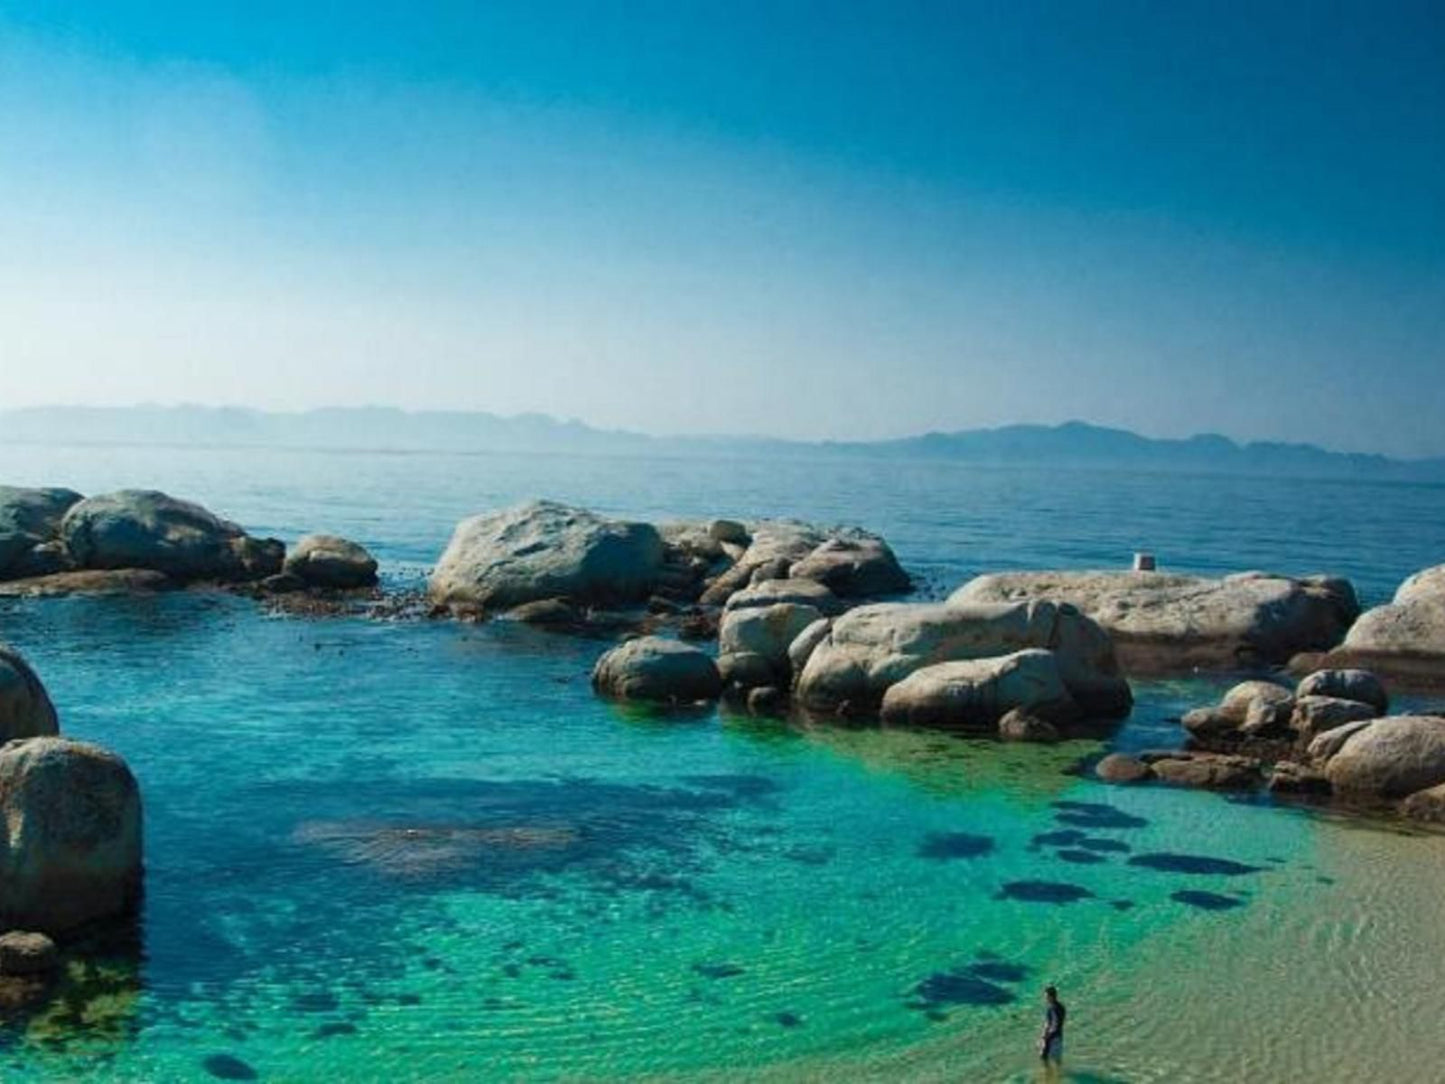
[384, 428]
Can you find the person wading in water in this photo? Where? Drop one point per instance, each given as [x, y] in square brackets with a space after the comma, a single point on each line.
[1051, 1042]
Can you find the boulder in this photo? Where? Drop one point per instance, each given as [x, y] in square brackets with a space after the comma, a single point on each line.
[30, 522]
[1314, 715]
[1426, 805]
[1391, 757]
[853, 564]
[1210, 723]
[1358, 685]
[547, 612]
[1288, 777]
[324, 560]
[744, 670]
[543, 550]
[1327, 744]
[767, 631]
[72, 841]
[25, 707]
[1414, 628]
[24, 952]
[653, 669]
[1238, 701]
[773, 546]
[1123, 768]
[1162, 622]
[801, 649]
[767, 700]
[1210, 771]
[1426, 584]
[1020, 724]
[146, 529]
[729, 530]
[976, 693]
[772, 592]
[873, 647]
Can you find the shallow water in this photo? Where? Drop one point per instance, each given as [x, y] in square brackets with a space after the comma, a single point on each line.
[425, 851]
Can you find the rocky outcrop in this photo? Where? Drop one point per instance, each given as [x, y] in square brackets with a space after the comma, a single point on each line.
[1404, 639]
[146, 529]
[871, 648]
[71, 849]
[1163, 622]
[1391, 757]
[657, 670]
[324, 560]
[974, 694]
[30, 528]
[25, 707]
[112, 581]
[545, 550]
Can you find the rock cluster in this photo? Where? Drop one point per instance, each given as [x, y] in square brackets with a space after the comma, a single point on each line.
[54, 541]
[1328, 736]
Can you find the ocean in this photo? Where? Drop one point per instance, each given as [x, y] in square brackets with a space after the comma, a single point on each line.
[423, 850]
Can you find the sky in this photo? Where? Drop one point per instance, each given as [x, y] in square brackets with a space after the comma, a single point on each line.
[846, 220]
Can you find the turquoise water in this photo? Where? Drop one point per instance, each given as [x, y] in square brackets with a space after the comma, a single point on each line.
[423, 850]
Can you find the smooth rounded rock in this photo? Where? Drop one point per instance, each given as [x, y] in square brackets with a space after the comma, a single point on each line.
[1428, 583]
[977, 693]
[798, 592]
[72, 841]
[1391, 757]
[29, 525]
[854, 564]
[803, 645]
[1426, 805]
[147, 529]
[653, 669]
[326, 560]
[546, 550]
[767, 631]
[1314, 715]
[744, 670]
[1346, 684]
[1207, 771]
[25, 707]
[1122, 768]
[1021, 725]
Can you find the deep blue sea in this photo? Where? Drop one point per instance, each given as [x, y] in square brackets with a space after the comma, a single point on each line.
[422, 850]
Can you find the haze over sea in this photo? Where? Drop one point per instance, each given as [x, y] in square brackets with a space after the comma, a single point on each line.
[424, 849]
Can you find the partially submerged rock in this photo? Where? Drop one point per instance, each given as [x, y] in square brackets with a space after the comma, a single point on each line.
[1347, 684]
[871, 648]
[651, 668]
[1210, 771]
[545, 550]
[1426, 805]
[25, 707]
[1022, 725]
[114, 581]
[974, 694]
[29, 529]
[1314, 715]
[1123, 768]
[147, 529]
[1161, 621]
[71, 848]
[326, 560]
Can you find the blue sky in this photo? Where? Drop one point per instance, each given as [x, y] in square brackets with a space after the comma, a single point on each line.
[841, 220]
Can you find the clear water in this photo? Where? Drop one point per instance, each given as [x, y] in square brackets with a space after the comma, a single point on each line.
[416, 850]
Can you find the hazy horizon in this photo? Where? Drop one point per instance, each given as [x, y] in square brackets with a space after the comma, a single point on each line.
[788, 220]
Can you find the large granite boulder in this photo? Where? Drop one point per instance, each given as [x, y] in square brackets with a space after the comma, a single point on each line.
[25, 707]
[854, 564]
[1404, 639]
[1161, 621]
[772, 592]
[1390, 758]
[144, 528]
[1426, 584]
[324, 560]
[29, 529]
[71, 848]
[1249, 706]
[873, 647]
[543, 549]
[768, 631]
[974, 694]
[651, 668]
